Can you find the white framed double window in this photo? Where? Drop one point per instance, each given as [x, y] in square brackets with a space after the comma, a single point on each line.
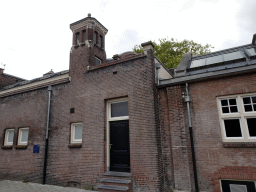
[237, 116]
[9, 134]
[76, 132]
[23, 136]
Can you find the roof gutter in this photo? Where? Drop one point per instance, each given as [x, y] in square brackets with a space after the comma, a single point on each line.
[210, 75]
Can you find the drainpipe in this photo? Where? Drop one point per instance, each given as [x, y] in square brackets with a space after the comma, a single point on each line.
[157, 72]
[47, 132]
[187, 99]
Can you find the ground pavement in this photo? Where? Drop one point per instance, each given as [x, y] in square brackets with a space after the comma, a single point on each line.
[18, 186]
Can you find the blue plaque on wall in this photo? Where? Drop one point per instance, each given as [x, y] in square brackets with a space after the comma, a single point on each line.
[36, 149]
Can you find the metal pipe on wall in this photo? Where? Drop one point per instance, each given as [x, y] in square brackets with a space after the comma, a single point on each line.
[187, 99]
[47, 133]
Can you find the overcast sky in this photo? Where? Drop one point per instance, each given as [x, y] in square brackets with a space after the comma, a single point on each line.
[35, 36]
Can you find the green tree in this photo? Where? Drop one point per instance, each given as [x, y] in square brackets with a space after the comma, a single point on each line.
[170, 52]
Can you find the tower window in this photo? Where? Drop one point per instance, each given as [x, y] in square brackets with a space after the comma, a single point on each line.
[84, 36]
[95, 36]
[77, 38]
[97, 61]
[101, 41]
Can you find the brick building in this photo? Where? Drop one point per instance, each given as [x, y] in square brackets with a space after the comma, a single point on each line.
[121, 124]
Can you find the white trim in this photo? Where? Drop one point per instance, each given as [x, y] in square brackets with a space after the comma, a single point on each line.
[241, 115]
[72, 136]
[6, 143]
[35, 85]
[109, 118]
[20, 136]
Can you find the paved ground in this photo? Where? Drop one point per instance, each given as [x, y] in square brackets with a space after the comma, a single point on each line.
[18, 186]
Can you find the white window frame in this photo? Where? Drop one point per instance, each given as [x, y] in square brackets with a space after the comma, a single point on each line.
[20, 134]
[109, 119]
[241, 115]
[73, 140]
[6, 143]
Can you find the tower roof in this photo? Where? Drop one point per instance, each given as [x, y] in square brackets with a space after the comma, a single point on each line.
[88, 19]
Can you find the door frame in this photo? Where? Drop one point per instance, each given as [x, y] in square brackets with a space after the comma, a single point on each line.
[109, 119]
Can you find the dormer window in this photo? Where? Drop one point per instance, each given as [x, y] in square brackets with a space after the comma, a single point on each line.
[97, 61]
[95, 36]
[77, 38]
[84, 36]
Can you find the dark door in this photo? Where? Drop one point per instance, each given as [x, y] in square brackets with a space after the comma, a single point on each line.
[119, 143]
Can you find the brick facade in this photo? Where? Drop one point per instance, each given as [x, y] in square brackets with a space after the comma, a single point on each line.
[160, 146]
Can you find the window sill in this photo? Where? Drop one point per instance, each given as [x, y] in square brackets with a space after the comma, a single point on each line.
[6, 147]
[239, 144]
[21, 147]
[77, 145]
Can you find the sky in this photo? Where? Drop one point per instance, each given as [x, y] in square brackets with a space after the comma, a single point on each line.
[35, 36]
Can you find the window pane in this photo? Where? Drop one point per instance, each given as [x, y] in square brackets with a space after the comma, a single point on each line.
[233, 109]
[24, 135]
[10, 134]
[119, 109]
[247, 100]
[225, 110]
[224, 102]
[232, 101]
[232, 127]
[252, 126]
[78, 131]
[254, 107]
[247, 108]
[237, 188]
[254, 99]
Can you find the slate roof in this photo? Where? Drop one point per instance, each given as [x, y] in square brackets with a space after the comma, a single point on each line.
[35, 80]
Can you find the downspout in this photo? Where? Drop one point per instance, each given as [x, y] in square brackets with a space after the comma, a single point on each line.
[47, 133]
[187, 99]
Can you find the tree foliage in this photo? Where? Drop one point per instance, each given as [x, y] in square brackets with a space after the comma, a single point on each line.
[170, 52]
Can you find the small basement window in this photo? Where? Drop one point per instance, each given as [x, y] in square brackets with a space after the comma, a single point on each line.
[23, 136]
[97, 61]
[8, 140]
[76, 132]
[237, 186]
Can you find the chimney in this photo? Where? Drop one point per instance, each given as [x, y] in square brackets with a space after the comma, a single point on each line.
[1, 71]
[147, 46]
[50, 72]
[254, 39]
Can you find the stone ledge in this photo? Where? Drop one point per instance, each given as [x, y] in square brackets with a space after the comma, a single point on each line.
[110, 187]
[239, 144]
[21, 147]
[6, 147]
[75, 145]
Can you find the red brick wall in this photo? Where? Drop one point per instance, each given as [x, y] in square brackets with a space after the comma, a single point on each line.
[214, 161]
[24, 110]
[87, 92]
[6, 80]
